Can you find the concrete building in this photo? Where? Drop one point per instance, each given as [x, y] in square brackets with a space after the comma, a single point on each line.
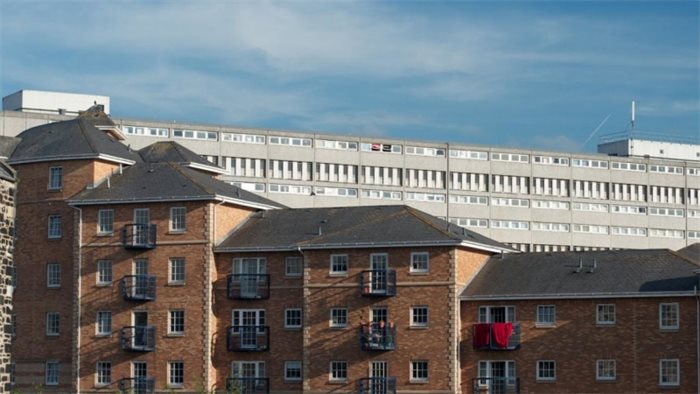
[42, 102]
[533, 200]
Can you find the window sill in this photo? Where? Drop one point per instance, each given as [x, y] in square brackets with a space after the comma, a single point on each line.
[344, 381]
[338, 327]
[338, 275]
[426, 381]
[418, 327]
[53, 287]
[104, 284]
[175, 284]
[101, 336]
[419, 273]
[293, 276]
[606, 380]
[545, 326]
[292, 380]
[175, 386]
[177, 232]
[293, 328]
[546, 381]
[670, 329]
[55, 238]
[175, 335]
[54, 189]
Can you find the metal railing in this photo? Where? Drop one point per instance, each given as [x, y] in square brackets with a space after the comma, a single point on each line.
[138, 338]
[379, 283]
[248, 338]
[386, 385]
[139, 236]
[377, 336]
[496, 385]
[137, 385]
[138, 287]
[489, 336]
[248, 286]
[248, 385]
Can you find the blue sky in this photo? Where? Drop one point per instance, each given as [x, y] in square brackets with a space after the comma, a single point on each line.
[540, 74]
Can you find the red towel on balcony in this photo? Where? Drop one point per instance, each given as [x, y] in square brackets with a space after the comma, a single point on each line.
[501, 333]
[481, 335]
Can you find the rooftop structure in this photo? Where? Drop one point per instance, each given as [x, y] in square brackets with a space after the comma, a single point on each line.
[43, 102]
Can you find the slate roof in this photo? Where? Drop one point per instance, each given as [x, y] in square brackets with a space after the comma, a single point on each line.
[6, 172]
[166, 182]
[691, 252]
[367, 226]
[7, 146]
[78, 138]
[171, 151]
[617, 272]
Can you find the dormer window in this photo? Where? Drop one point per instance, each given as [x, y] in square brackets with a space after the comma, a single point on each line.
[55, 178]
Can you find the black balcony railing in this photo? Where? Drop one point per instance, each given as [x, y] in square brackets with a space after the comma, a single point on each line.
[138, 287]
[496, 336]
[378, 336]
[248, 385]
[137, 385]
[139, 236]
[138, 338]
[386, 385]
[248, 286]
[248, 338]
[378, 283]
[496, 385]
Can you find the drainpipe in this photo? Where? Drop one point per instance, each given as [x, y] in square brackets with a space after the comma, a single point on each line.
[78, 298]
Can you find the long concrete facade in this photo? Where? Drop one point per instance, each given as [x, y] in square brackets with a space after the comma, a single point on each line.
[533, 200]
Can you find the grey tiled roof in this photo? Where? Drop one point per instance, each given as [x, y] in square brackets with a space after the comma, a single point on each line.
[171, 151]
[71, 139]
[6, 172]
[554, 274]
[365, 226]
[165, 182]
[691, 252]
[7, 146]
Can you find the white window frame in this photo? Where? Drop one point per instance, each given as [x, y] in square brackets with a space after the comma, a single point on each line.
[540, 370]
[51, 375]
[415, 371]
[335, 314]
[543, 323]
[676, 309]
[103, 373]
[103, 326]
[287, 315]
[598, 316]
[337, 366]
[289, 262]
[55, 224]
[171, 376]
[53, 277]
[347, 263]
[59, 179]
[413, 315]
[103, 266]
[105, 222]
[427, 263]
[293, 365]
[178, 220]
[50, 332]
[598, 377]
[176, 322]
[173, 270]
[677, 363]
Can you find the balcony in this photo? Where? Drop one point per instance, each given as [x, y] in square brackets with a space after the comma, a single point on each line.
[138, 287]
[378, 336]
[138, 338]
[496, 336]
[248, 385]
[496, 386]
[137, 385]
[386, 385]
[139, 236]
[378, 283]
[248, 338]
[248, 286]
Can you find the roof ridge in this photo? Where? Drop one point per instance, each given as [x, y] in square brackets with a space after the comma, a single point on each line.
[346, 229]
[413, 212]
[675, 253]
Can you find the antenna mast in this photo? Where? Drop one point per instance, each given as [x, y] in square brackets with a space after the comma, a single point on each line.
[633, 116]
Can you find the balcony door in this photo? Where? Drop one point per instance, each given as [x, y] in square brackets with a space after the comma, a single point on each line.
[248, 323]
[497, 314]
[140, 319]
[249, 271]
[140, 288]
[248, 377]
[142, 217]
[379, 264]
[378, 374]
[500, 376]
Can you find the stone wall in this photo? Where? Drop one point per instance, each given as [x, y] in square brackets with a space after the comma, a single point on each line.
[7, 222]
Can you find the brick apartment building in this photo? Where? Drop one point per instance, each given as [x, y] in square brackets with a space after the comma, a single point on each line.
[154, 276]
[606, 321]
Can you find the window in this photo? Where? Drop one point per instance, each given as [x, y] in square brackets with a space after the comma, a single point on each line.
[176, 324]
[55, 178]
[52, 323]
[292, 318]
[177, 271]
[243, 138]
[293, 141]
[145, 131]
[104, 323]
[341, 145]
[176, 373]
[419, 371]
[605, 370]
[419, 316]
[293, 266]
[419, 262]
[339, 317]
[177, 219]
[546, 370]
[54, 226]
[105, 221]
[195, 134]
[375, 147]
[53, 275]
[605, 314]
[668, 316]
[423, 151]
[339, 264]
[338, 371]
[51, 373]
[104, 373]
[104, 272]
[292, 370]
[546, 315]
[669, 372]
[466, 154]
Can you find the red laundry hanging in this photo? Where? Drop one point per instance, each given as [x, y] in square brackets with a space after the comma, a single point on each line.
[501, 333]
[482, 335]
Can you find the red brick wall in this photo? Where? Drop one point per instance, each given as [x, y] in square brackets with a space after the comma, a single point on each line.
[575, 343]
